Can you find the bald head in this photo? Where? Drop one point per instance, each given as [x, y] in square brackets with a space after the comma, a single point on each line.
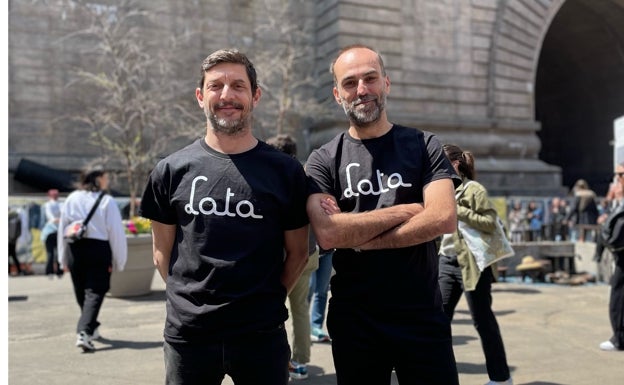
[348, 53]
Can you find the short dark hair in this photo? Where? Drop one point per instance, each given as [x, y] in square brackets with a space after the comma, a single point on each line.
[354, 46]
[229, 56]
[285, 143]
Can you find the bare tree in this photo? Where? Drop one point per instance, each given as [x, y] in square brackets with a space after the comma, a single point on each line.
[134, 108]
[284, 54]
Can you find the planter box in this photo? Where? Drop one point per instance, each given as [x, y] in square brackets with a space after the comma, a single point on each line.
[136, 279]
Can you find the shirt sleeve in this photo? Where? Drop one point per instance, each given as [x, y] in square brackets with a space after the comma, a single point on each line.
[116, 235]
[319, 175]
[156, 200]
[440, 167]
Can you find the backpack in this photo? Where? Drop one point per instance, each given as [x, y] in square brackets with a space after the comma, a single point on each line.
[612, 231]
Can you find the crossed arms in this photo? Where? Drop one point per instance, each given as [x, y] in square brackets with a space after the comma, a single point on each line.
[398, 226]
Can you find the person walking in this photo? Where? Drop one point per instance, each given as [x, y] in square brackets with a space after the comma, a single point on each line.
[298, 297]
[91, 259]
[458, 266]
[616, 296]
[230, 238]
[49, 233]
[381, 194]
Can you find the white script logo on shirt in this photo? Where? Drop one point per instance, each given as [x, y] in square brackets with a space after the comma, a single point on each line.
[366, 187]
[208, 206]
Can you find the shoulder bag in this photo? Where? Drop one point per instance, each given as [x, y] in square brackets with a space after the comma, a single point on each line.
[486, 248]
[76, 230]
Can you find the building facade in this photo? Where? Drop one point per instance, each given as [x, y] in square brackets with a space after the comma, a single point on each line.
[531, 87]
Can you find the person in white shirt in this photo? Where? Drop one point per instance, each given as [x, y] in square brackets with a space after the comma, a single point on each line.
[49, 233]
[91, 259]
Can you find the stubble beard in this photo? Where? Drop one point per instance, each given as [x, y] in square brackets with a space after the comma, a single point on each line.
[366, 116]
[230, 127]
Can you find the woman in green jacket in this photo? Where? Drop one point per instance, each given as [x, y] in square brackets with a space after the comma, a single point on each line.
[458, 267]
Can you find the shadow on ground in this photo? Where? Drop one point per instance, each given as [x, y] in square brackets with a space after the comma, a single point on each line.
[122, 344]
[517, 290]
[462, 340]
[153, 296]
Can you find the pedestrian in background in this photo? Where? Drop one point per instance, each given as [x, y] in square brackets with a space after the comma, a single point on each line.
[14, 232]
[458, 266]
[49, 233]
[616, 297]
[535, 216]
[583, 211]
[558, 219]
[319, 288]
[518, 222]
[230, 235]
[91, 259]
[298, 297]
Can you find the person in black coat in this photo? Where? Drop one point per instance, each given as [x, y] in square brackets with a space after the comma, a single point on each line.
[616, 298]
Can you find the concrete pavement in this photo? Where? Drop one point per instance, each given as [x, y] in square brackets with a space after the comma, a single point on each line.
[551, 334]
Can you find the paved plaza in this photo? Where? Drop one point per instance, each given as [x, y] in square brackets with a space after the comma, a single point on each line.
[551, 333]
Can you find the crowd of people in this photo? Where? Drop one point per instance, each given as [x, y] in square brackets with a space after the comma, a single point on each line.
[24, 218]
[572, 217]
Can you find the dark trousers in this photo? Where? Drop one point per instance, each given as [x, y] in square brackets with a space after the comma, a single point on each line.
[257, 358]
[90, 265]
[13, 256]
[480, 305]
[616, 303]
[366, 346]
[50, 245]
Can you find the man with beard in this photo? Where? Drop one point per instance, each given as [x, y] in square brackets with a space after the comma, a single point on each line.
[382, 194]
[230, 235]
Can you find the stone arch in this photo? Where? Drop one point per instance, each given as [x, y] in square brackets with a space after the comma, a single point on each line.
[517, 38]
[580, 89]
[536, 41]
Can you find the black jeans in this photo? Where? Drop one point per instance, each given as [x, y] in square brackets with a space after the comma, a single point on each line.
[50, 245]
[368, 345]
[256, 358]
[13, 256]
[616, 302]
[480, 305]
[90, 264]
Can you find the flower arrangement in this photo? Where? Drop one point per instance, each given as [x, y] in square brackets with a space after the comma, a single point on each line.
[138, 225]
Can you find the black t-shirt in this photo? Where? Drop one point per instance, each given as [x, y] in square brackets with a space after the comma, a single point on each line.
[231, 212]
[369, 174]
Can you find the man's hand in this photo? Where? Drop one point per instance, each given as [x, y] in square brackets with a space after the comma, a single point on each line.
[330, 206]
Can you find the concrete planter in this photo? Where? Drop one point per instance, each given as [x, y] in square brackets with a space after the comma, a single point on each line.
[136, 279]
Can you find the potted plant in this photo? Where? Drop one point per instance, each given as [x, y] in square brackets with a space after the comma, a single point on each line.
[136, 278]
